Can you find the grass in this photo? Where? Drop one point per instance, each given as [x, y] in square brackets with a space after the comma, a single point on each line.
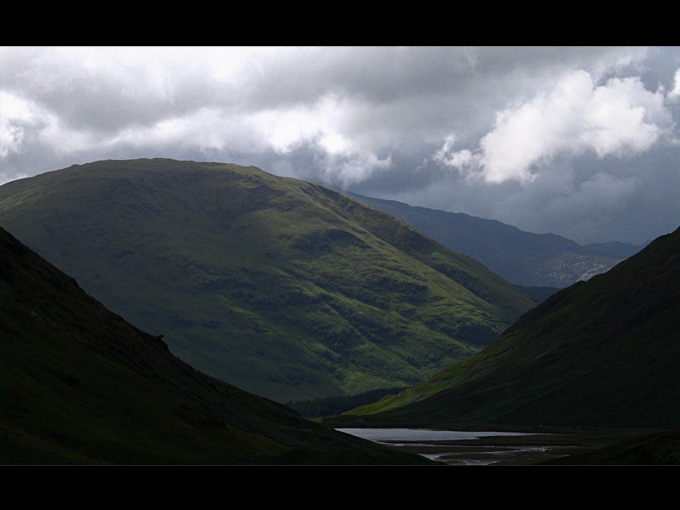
[603, 353]
[82, 386]
[281, 287]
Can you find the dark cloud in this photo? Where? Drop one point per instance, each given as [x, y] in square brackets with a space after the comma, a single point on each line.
[577, 141]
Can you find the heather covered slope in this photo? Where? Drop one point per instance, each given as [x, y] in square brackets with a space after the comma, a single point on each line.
[281, 287]
[602, 353]
[80, 385]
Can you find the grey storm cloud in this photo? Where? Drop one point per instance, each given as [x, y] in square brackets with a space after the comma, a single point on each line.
[579, 141]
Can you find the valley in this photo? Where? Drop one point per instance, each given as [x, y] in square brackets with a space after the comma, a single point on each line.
[534, 447]
[284, 288]
[601, 353]
[250, 295]
[81, 386]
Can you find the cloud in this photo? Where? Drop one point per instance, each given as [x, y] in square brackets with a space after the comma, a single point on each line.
[674, 94]
[576, 116]
[212, 100]
[493, 131]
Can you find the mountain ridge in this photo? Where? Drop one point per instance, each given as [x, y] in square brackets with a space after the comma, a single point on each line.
[284, 288]
[523, 258]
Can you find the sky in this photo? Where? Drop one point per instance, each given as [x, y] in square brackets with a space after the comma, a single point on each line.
[583, 142]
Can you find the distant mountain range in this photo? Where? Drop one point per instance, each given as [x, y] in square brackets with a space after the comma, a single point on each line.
[281, 287]
[80, 385]
[523, 258]
[601, 353]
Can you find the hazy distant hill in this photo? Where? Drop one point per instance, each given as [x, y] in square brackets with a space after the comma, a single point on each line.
[284, 288]
[604, 353]
[80, 385]
[523, 258]
[614, 249]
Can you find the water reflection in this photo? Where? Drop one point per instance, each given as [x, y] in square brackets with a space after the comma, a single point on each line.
[445, 445]
[395, 435]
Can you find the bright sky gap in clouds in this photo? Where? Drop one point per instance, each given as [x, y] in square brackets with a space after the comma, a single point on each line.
[578, 141]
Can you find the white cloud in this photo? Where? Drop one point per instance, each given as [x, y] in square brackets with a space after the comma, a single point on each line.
[17, 116]
[22, 122]
[674, 94]
[220, 99]
[575, 116]
[623, 116]
[322, 128]
[462, 159]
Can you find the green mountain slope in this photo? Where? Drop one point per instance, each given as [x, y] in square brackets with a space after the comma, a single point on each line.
[523, 258]
[600, 353]
[281, 287]
[80, 385]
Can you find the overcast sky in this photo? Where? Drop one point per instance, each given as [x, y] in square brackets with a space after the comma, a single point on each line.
[581, 142]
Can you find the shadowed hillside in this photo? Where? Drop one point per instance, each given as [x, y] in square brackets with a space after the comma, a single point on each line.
[284, 288]
[523, 258]
[602, 353]
[80, 385]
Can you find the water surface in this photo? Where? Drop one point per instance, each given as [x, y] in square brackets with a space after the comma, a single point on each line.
[425, 435]
[444, 445]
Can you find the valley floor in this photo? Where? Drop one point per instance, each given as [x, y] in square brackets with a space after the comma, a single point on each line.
[557, 447]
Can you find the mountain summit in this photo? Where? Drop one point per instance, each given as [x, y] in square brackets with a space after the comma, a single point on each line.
[281, 287]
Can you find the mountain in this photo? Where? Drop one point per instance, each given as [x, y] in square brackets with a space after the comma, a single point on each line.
[523, 258]
[601, 353]
[80, 385]
[614, 249]
[281, 287]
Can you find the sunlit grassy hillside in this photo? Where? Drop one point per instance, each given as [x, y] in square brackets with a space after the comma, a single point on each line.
[279, 286]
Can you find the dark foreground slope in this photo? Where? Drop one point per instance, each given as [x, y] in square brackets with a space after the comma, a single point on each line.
[523, 258]
[80, 385]
[281, 287]
[602, 353]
